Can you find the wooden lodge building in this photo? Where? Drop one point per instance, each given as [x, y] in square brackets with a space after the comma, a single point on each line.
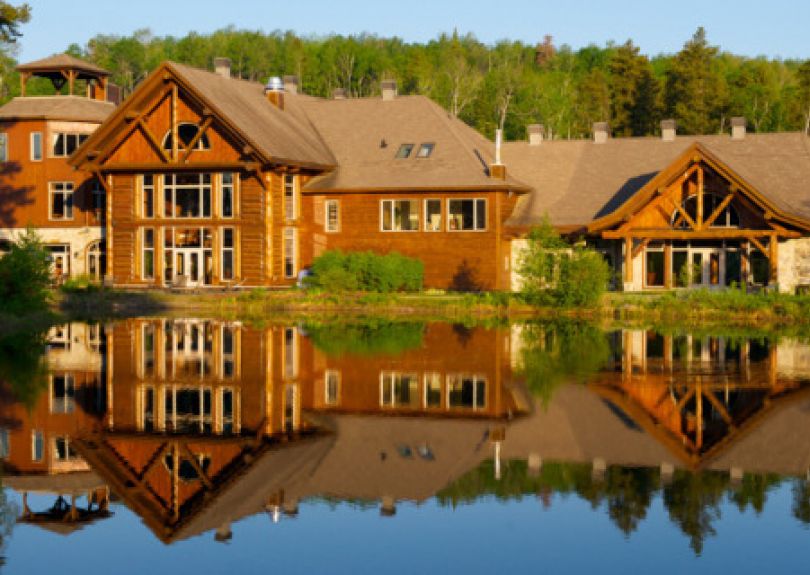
[200, 179]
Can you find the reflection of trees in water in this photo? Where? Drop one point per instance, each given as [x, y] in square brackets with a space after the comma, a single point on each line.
[693, 500]
[23, 366]
[367, 338]
[561, 352]
[8, 515]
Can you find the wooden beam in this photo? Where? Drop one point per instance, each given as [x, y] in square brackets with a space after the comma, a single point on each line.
[710, 234]
[153, 140]
[668, 276]
[200, 133]
[628, 259]
[640, 247]
[719, 209]
[121, 136]
[759, 246]
[773, 258]
[682, 213]
[174, 122]
[197, 467]
[173, 167]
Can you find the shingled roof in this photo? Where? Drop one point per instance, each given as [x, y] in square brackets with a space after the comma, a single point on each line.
[578, 181]
[71, 108]
[59, 62]
[365, 134]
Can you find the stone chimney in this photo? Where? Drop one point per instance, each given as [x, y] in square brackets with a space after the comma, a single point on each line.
[737, 128]
[339, 94]
[668, 130]
[535, 133]
[601, 132]
[222, 66]
[291, 84]
[274, 91]
[389, 90]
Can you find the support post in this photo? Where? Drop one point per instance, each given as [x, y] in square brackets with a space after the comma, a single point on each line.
[773, 258]
[628, 259]
[668, 265]
[699, 218]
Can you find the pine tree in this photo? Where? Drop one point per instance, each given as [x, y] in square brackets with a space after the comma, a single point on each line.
[633, 93]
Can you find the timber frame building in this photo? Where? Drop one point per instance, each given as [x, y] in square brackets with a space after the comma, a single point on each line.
[203, 180]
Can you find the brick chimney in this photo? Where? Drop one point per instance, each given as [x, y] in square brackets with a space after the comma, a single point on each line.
[535, 134]
[738, 128]
[668, 130]
[601, 132]
[389, 90]
[291, 84]
[222, 66]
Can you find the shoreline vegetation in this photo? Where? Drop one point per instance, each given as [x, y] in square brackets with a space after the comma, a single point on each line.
[687, 307]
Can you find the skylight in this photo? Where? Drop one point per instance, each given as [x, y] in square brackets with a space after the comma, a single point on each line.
[425, 150]
[404, 151]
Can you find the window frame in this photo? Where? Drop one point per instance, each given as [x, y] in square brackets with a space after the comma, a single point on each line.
[425, 215]
[67, 206]
[393, 202]
[3, 147]
[148, 190]
[81, 138]
[290, 201]
[327, 227]
[198, 147]
[475, 215]
[227, 249]
[234, 186]
[36, 137]
[425, 150]
[290, 260]
[201, 187]
[404, 151]
[144, 250]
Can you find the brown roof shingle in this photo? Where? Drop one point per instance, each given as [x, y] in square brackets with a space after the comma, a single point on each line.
[578, 181]
[62, 62]
[73, 108]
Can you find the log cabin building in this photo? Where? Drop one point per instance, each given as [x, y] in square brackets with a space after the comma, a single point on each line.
[203, 180]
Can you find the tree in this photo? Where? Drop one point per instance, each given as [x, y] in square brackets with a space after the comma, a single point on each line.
[25, 276]
[695, 92]
[10, 19]
[803, 77]
[633, 93]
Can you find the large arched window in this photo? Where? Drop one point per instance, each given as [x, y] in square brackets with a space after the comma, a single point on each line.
[728, 218]
[186, 133]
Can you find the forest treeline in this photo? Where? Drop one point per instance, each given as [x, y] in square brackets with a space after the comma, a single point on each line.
[508, 84]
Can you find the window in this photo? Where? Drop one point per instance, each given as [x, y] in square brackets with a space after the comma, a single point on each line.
[290, 353]
[467, 215]
[227, 254]
[63, 450]
[399, 389]
[466, 391]
[148, 355]
[433, 389]
[655, 268]
[404, 151]
[433, 215]
[227, 410]
[227, 193]
[186, 133]
[36, 146]
[290, 200]
[290, 250]
[37, 445]
[148, 196]
[61, 200]
[228, 352]
[65, 144]
[331, 392]
[332, 216]
[187, 195]
[98, 198]
[425, 150]
[3, 147]
[96, 260]
[63, 391]
[5, 446]
[399, 215]
[148, 264]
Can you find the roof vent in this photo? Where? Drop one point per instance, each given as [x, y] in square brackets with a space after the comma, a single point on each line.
[222, 67]
[389, 90]
[339, 94]
[668, 130]
[601, 132]
[291, 84]
[738, 128]
[274, 91]
[535, 133]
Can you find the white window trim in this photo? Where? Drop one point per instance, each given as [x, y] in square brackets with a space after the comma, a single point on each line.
[418, 227]
[201, 186]
[41, 147]
[475, 214]
[293, 234]
[326, 376]
[51, 191]
[326, 226]
[143, 253]
[142, 196]
[223, 249]
[295, 195]
[479, 403]
[425, 215]
[4, 139]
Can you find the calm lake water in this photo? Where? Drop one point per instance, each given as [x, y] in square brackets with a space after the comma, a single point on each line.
[209, 446]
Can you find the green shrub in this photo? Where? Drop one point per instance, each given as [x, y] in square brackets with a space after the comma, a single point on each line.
[337, 271]
[25, 275]
[79, 284]
[556, 273]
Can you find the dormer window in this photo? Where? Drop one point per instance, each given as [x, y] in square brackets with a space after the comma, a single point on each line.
[425, 150]
[404, 151]
[186, 133]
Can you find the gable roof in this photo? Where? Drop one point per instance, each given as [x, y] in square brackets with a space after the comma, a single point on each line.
[69, 108]
[577, 182]
[365, 134]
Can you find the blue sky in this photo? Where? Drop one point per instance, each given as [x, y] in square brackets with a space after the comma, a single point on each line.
[776, 28]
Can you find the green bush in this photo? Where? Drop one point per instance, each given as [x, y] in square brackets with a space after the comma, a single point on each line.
[556, 273]
[25, 275]
[337, 271]
[81, 284]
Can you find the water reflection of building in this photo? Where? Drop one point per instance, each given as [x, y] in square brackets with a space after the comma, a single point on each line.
[37, 442]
